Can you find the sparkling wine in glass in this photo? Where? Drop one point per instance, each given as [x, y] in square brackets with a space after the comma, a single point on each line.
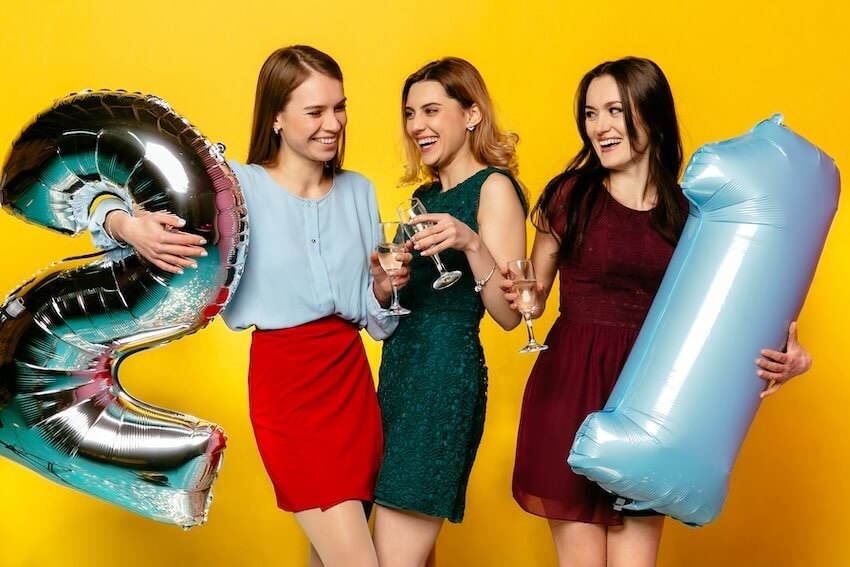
[521, 272]
[408, 210]
[390, 245]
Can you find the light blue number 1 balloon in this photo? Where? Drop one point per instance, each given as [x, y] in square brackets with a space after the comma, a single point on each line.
[761, 207]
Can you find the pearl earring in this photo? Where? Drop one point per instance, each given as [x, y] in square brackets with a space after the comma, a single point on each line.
[276, 130]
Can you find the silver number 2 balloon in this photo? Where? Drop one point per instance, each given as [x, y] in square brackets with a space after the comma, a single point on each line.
[64, 333]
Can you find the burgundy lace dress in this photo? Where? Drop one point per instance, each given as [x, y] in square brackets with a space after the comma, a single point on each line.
[604, 299]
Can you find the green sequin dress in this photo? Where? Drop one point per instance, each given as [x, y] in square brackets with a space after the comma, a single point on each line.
[433, 380]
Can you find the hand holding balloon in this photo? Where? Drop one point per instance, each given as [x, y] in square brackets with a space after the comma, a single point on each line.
[155, 236]
[777, 367]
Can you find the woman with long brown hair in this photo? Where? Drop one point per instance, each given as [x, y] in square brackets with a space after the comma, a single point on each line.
[607, 226]
[311, 282]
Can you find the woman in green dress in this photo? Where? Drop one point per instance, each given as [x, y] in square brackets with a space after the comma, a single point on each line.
[433, 380]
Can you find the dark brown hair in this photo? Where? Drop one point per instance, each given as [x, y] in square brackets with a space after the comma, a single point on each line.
[644, 91]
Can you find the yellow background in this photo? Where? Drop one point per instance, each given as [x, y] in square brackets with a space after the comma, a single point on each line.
[731, 63]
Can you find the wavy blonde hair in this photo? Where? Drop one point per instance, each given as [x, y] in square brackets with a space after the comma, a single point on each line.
[462, 81]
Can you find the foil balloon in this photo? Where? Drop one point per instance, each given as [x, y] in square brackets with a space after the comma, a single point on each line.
[64, 333]
[760, 208]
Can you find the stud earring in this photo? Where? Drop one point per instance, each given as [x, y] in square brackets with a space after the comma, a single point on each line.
[276, 130]
[471, 127]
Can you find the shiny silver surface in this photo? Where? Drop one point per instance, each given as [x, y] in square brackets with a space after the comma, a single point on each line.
[64, 333]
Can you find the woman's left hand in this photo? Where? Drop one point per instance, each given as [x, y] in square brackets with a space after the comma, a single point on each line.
[778, 367]
[446, 232]
[383, 285]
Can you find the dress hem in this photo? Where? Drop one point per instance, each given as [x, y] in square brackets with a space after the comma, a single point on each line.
[323, 507]
[387, 504]
[522, 499]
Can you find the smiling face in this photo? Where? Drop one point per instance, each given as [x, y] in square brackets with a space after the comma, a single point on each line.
[437, 123]
[605, 124]
[312, 123]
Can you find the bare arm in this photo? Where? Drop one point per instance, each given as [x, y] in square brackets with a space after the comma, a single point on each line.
[501, 226]
[501, 238]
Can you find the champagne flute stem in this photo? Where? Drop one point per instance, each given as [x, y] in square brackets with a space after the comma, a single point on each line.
[440, 267]
[530, 330]
[395, 304]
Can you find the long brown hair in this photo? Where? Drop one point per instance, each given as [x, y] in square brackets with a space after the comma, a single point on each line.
[462, 82]
[644, 90]
[282, 73]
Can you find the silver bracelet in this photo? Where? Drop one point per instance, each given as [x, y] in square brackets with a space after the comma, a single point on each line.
[479, 284]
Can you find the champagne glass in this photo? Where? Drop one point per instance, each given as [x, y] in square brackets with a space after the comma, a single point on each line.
[521, 272]
[407, 211]
[390, 245]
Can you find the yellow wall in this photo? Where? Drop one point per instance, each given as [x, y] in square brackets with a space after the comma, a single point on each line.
[731, 64]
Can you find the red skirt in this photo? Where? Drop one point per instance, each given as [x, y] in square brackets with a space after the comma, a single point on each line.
[315, 413]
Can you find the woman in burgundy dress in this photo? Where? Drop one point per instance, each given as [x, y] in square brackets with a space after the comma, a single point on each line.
[608, 226]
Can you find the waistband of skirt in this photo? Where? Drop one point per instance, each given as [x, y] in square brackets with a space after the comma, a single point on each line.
[330, 325]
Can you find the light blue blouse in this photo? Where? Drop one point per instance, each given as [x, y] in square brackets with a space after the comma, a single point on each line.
[306, 259]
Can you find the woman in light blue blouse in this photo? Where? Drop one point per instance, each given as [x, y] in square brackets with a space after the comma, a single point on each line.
[311, 282]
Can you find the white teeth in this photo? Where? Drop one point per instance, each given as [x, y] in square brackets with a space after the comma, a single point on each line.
[426, 141]
[609, 142]
[325, 140]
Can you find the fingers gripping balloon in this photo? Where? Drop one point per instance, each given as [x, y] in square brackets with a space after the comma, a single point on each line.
[64, 333]
[761, 207]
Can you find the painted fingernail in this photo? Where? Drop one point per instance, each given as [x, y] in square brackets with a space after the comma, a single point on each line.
[194, 266]
[203, 253]
[202, 241]
[180, 271]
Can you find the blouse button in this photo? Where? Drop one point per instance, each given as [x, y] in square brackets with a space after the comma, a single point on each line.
[313, 240]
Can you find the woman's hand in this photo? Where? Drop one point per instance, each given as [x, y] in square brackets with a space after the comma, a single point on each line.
[511, 296]
[382, 282]
[447, 232]
[778, 367]
[157, 238]
[507, 286]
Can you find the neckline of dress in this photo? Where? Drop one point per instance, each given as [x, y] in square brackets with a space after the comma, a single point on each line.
[471, 177]
[624, 206]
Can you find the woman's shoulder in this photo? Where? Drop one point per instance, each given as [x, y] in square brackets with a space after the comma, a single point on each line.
[354, 184]
[347, 177]
[237, 164]
[251, 177]
[493, 174]
[426, 187]
[559, 189]
[684, 204]
[567, 183]
[245, 171]
[503, 182]
[355, 187]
